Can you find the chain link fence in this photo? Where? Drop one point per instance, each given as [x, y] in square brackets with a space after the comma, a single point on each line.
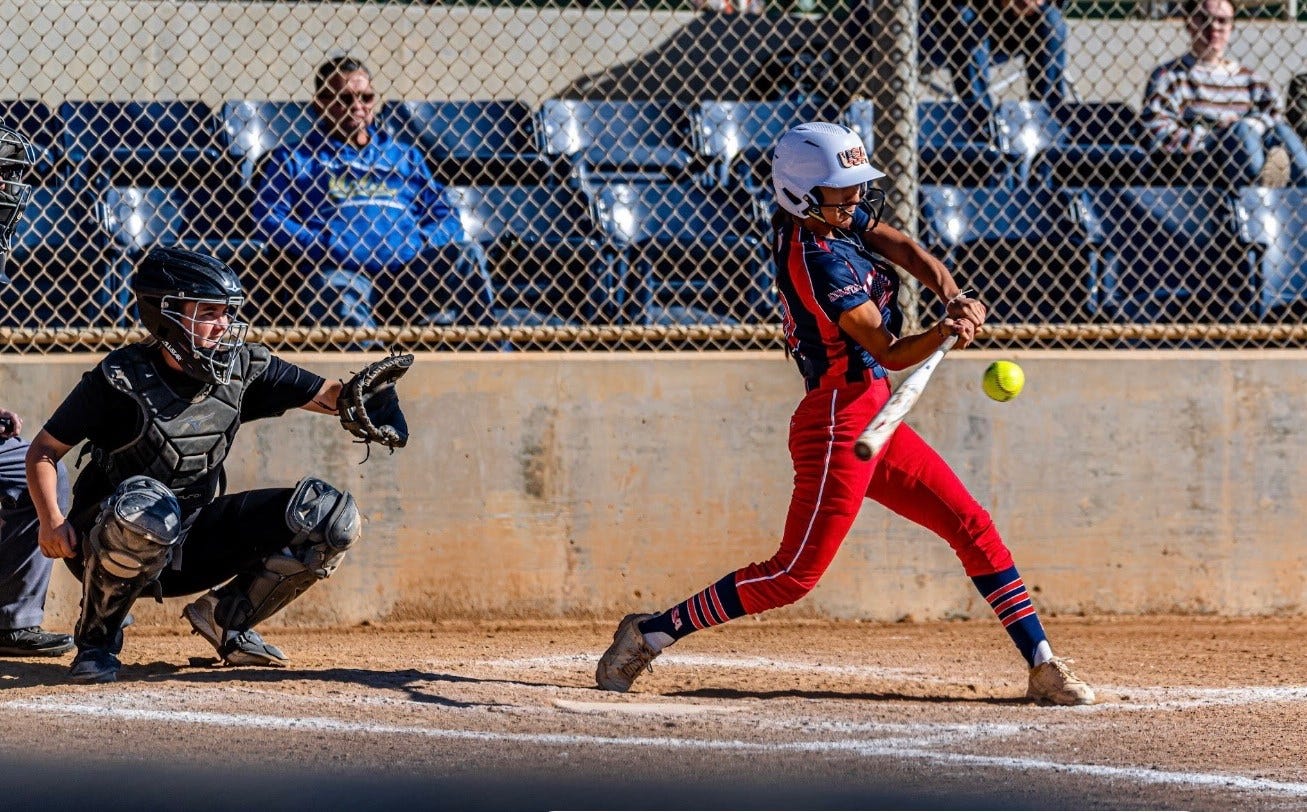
[594, 175]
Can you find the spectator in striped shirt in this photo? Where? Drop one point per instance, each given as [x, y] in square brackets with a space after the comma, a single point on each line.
[1210, 116]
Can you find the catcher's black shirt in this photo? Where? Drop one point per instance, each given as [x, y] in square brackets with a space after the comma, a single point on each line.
[110, 419]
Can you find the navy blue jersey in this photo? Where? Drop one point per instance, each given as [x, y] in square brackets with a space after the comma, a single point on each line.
[819, 278]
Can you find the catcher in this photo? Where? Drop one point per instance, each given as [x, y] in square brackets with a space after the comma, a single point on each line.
[150, 515]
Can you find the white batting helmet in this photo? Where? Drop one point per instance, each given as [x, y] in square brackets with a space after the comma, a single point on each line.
[818, 154]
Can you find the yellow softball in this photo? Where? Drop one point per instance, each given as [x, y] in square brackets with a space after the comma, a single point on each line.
[1003, 380]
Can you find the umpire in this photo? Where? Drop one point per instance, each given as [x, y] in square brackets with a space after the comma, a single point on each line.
[24, 572]
[159, 418]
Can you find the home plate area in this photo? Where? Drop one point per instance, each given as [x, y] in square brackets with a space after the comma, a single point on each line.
[1192, 713]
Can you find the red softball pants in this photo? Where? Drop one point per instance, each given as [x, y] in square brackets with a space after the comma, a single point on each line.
[830, 482]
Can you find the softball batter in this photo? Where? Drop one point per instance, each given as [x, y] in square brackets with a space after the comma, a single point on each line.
[839, 305]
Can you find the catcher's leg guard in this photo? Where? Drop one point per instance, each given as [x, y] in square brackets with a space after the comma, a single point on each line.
[132, 541]
[326, 523]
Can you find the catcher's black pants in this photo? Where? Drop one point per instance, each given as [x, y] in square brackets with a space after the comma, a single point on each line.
[231, 534]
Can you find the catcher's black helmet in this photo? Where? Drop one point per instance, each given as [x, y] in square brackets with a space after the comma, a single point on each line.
[168, 278]
[16, 158]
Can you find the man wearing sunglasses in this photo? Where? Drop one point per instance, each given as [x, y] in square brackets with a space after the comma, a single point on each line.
[365, 232]
[1210, 117]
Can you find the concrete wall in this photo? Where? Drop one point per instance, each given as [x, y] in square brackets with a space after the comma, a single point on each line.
[222, 50]
[589, 485]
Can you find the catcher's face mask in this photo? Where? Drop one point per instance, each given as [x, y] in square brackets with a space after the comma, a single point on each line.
[16, 157]
[204, 335]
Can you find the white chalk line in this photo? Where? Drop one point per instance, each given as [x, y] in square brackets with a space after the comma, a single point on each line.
[698, 660]
[1153, 698]
[896, 747]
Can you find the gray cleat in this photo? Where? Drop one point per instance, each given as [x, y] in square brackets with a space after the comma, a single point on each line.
[235, 648]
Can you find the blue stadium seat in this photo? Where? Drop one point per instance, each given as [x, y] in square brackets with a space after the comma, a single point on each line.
[1167, 254]
[42, 127]
[1274, 223]
[958, 146]
[738, 137]
[251, 128]
[543, 250]
[1017, 247]
[472, 142]
[1081, 144]
[1025, 128]
[141, 142]
[860, 116]
[619, 140]
[52, 263]
[690, 254]
[132, 219]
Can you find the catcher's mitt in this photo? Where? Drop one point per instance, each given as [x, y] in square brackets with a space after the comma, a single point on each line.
[369, 405]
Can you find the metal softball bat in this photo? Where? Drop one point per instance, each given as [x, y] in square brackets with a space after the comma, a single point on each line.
[882, 426]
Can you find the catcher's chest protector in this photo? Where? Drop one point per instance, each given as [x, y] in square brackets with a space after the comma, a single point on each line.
[182, 442]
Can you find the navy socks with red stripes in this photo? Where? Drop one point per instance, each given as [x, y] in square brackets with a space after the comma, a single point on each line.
[711, 607]
[1005, 592]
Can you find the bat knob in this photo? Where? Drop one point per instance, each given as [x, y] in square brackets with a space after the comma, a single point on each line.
[862, 450]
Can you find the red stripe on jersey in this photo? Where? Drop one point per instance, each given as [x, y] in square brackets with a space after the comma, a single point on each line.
[797, 269]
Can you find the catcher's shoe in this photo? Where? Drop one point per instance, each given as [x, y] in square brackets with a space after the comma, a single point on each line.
[235, 648]
[626, 657]
[1053, 683]
[94, 665]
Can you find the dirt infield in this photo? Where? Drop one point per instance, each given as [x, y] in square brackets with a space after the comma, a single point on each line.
[1194, 713]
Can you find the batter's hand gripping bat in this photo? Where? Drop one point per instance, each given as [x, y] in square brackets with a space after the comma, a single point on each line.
[882, 426]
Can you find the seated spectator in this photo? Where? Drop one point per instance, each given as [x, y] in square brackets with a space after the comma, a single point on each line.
[360, 217]
[969, 36]
[1209, 116]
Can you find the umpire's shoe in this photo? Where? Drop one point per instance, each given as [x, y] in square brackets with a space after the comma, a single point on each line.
[33, 641]
[235, 648]
[94, 665]
[627, 657]
[1053, 683]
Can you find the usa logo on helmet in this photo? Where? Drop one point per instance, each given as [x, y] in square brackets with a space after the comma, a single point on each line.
[849, 158]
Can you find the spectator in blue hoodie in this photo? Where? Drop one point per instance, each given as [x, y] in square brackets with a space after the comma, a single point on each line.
[360, 216]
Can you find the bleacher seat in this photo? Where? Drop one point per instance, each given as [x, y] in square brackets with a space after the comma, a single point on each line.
[860, 116]
[141, 142]
[1167, 254]
[958, 146]
[251, 128]
[1274, 223]
[1079, 144]
[472, 142]
[543, 250]
[1017, 247]
[52, 260]
[619, 140]
[692, 252]
[735, 136]
[133, 219]
[35, 120]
